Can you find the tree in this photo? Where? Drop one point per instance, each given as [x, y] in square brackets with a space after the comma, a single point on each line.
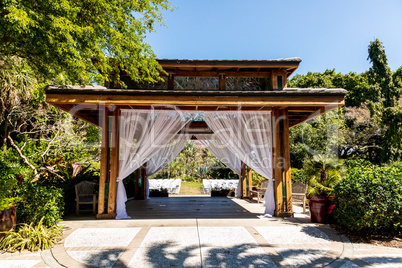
[322, 135]
[364, 136]
[381, 74]
[16, 85]
[387, 110]
[78, 41]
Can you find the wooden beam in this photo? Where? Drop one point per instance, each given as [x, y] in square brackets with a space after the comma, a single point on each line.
[67, 108]
[104, 163]
[114, 163]
[317, 113]
[243, 180]
[226, 66]
[296, 101]
[249, 180]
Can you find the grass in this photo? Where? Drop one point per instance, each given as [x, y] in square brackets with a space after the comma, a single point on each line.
[191, 188]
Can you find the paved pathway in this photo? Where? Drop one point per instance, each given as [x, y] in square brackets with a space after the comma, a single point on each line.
[188, 241]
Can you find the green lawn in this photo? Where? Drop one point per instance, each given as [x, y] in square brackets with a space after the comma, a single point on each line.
[191, 188]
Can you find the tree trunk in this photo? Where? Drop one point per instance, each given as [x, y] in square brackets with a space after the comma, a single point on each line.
[5, 133]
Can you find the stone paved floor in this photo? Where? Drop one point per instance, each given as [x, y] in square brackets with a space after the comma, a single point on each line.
[244, 240]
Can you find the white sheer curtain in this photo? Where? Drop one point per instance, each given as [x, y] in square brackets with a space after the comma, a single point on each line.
[142, 133]
[166, 154]
[248, 135]
[222, 152]
[163, 156]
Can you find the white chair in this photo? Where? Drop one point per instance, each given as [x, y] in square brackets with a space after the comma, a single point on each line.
[260, 191]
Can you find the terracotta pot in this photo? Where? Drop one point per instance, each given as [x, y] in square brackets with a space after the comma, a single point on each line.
[321, 208]
[8, 219]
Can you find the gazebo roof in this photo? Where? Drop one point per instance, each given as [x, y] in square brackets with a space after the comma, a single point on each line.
[233, 68]
[302, 104]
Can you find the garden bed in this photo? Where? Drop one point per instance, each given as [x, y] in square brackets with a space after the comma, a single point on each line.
[158, 194]
[385, 239]
[223, 193]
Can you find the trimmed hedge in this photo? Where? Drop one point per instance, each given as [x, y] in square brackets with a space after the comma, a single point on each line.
[369, 198]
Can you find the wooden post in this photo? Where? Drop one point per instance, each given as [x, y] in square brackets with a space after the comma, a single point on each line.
[143, 178]
[286, 159]
[243, 181]
[104, 163]
[114, 164]
[249, 180]
[170, 82]
[222, 82]
[274, 80]
[281, 162]
[285, 78]
[137, 185]
[277, 169]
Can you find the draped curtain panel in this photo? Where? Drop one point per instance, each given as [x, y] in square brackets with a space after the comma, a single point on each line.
[222, 152]
[167, 153]
[164, 156]
[142, 134]
[248, 134]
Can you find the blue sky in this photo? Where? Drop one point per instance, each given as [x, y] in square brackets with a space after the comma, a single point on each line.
[324, 34]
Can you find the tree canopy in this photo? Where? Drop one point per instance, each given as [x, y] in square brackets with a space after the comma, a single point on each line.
[81, 41]
[371, 122]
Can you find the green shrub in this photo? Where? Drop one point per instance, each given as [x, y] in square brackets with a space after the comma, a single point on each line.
[31, 237]
[72, 174]
[369, 199]
[299, 175]
[8, 179]
[38, 201]
[357, 162]
[256, 178]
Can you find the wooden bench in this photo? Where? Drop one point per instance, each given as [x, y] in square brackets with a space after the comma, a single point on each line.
[85, 195]
[299, 191]
[260, 191]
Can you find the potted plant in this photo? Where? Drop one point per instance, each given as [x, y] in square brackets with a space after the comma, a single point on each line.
[8, 180]
[322, 173]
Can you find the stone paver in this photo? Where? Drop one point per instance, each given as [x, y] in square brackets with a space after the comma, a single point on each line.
[244, 240]
[24, 260]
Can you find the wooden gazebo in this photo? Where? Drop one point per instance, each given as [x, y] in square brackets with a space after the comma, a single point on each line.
[202, 85]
